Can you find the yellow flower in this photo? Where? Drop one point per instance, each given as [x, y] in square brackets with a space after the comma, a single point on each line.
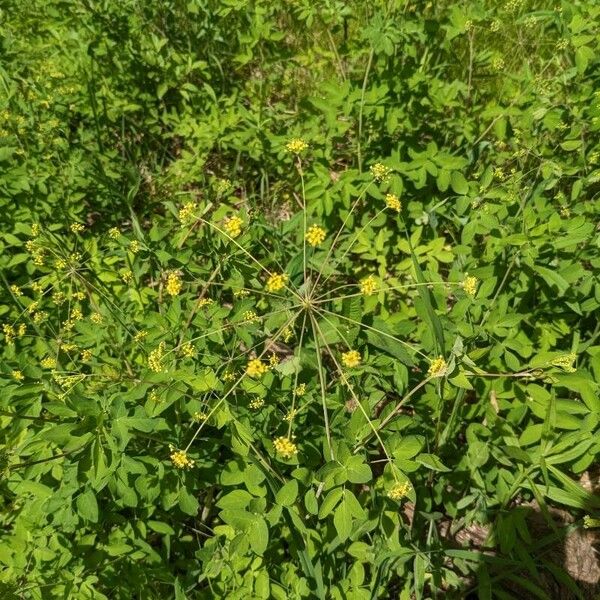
[256, 368]
[114, 233]
[437, 368]
[205, 302]
[257, 403]
[351, 358]
[174, 284]
[296, 146]
[300, 390]
[380, 172]
[139, 336]
[180, 459]
[134, 246]
[127, 277]
[35, 229]
[250, 316]
[9, 333]
[199, 416]
[86, 355]
[469, 284]
[187, 350]
[276, 282]
[186, 212]
[392, 201]
[233, 226]
[284, 446]
[399, 490]
[96, 318]
[368, 286]
[16, 290]
[48, 363]
[155, 358]
[18, 375]
[22, 330]
[228, 376]
[315, 235]
[273, 360]
[77, 227]
[288, 334]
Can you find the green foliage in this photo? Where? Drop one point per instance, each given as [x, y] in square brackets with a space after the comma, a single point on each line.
[175, 424]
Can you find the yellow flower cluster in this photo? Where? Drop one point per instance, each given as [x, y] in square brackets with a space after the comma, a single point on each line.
[186, 212]
[392, 201]
[351, 359]
[296, 146]
[48, 363]
[438, 367]
[155, 358]
[199, 416]
[180, 459]
[16, 290]
[380, 172]
[77, 227]
[399, 490]
[284, 446]
[86, 355]
[256, 403]
[250, 316]
[368, 286]
[96, 318]
[273, 360]
[205, 302]
[174, 284]
[469, 284]
[276, 282]
[17, 375]
[256, 368]
[134, 246]
[315, 236]
[233, 226]
[300, 390]
[114, 233]
[188, 350]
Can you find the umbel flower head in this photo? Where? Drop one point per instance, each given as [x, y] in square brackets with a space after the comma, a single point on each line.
[399, 490]
[368, 286]
[296, 146]
[315, 236]
[256, 368]
[174, 284]
[180, 459]
[380, 172]
[276, 282]
[351, 358]
[285, 447]
[469, 284]
[392, 201]
[438, 367]
[233, 226]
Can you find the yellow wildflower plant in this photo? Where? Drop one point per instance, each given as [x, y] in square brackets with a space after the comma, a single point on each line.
[174, 283]
[438, 367]
[469, 285]
[233, 226]
[256, 368]
[399, 491]
[393, 202]
[315, 236]
[285, 447]
[369, 286]
[351, 359]
[276, 282]
[180, 459]
[296, 146]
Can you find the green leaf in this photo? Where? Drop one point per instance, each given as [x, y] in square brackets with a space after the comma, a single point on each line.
[87, 506]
